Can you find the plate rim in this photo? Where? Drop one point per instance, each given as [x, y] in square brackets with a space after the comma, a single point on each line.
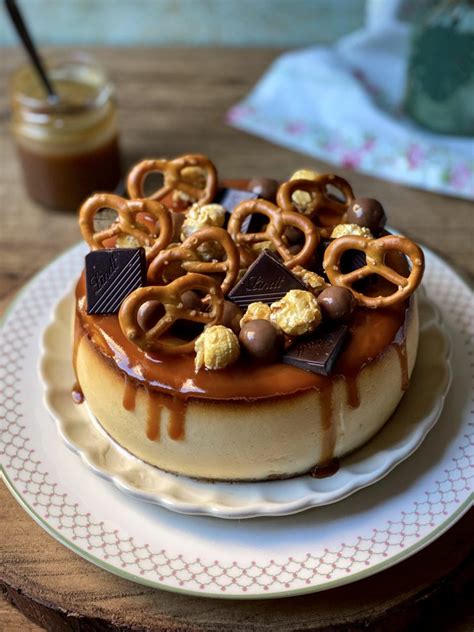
[376, 568]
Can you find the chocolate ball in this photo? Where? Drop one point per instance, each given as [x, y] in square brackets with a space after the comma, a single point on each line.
[366, 212]
[293, 235]
[191, 300]
[149, 314]
[231, 316]
[336, 303]
[262, 340]
[264, 187]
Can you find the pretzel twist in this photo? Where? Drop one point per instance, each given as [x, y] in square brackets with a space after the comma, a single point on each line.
[375, 252]
[147, 221]
[187, 254]
[323, 208]
[173, 180]
[169, 296]
[278, 221]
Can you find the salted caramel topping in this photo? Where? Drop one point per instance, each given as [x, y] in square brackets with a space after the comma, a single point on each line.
[370, 333]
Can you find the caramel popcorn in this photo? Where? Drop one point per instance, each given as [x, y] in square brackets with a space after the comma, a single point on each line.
[341, 230]
[297, 313]
[216, 348]
[256, 311]
[311, 279]
[305, 174]
[196, 177]
[199, 217]
[126, 241]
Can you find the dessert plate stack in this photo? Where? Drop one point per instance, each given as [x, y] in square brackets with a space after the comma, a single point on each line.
[327, 543]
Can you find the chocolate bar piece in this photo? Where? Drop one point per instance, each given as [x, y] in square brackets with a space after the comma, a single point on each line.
[111, 275]
[230, 198]
[317, 352]
[267, 280]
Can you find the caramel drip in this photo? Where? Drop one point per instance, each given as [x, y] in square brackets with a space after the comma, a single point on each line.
[352, 389]
[327, 421]
[77, 394]
[325, 470]
[129, 395]
[176, 420]
[401, 350]
[153, 417]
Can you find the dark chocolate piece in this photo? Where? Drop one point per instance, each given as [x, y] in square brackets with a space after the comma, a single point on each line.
[230, 198]
[319, 351]
[267, 280]
[111, 275]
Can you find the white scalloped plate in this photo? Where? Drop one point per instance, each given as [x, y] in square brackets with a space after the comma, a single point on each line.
[313, 550]
[416, 415]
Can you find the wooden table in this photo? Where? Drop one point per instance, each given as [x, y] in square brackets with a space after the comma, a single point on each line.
[172, 102]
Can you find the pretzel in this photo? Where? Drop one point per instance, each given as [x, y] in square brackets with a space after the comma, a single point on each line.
[170, 298]
[375, 252]
[187, 254]
[325, 209]
[279, 220]
[173, 180]
[147, 221]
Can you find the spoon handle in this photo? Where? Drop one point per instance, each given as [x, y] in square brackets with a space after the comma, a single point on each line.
[25, 37]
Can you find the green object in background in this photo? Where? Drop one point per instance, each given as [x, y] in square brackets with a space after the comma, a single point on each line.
[440, 86]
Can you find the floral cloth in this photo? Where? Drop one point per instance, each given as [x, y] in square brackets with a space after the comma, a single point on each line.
[344, 105]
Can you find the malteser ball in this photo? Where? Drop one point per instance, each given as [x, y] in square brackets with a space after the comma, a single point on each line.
[231, 316]
[262, 340]
[265, 188]
[366, 212]
[336, 303]
[149, 314]
[191, 300]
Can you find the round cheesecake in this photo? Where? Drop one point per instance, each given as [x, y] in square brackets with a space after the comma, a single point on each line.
[245, 422]
[250, 420]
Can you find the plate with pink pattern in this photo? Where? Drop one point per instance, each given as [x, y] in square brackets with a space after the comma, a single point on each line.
[320, 548]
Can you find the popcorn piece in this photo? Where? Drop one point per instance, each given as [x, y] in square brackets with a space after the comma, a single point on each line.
[216, 348]
[301, 200]
[126, 241]
[256, 311]
[305, 174]
[196, 177]
[202, 216]
[311, 279]
[297, 313]
[341, 230]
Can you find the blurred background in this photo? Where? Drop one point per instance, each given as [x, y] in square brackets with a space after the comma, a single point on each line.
[282, 23]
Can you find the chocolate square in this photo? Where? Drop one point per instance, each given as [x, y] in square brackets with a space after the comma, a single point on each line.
[267, 280]
[319, 351]
[230, 198]
[111, 275]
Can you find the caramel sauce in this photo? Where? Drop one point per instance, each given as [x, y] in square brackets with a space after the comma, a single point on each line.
[153, 417]
[325, 470]
[370, 333]
[401, 350]
[64, 180]
[327, 422]
[353, 398]
[177, 410]
[129, 395]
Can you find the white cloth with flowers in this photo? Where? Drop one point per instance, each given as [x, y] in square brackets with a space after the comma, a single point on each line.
[343, 105]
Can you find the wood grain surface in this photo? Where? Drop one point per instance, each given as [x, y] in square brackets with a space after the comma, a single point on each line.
[171, 102]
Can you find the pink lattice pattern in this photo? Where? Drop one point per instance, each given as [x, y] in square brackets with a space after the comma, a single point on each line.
[46, 496]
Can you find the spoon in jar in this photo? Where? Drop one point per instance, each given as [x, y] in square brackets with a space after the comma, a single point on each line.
[31, 49]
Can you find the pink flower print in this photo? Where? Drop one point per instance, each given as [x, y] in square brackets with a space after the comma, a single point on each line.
[415, 156]
[296, 127]
[239, 112]
[351, 159]
[460, 175]
[368, 143]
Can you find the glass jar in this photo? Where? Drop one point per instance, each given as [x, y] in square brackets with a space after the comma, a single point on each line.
[440, 83]
[70, 149]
